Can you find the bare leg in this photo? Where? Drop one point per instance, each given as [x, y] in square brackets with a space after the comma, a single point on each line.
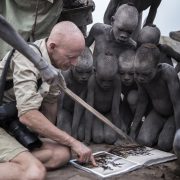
[52, 155]
[132, 99]
[98, 131]
[151, 127]
[166, 136]
[126, 115]
[64, 120]
[176, 144]
[109, 135]
[23, 167]
[81, 129]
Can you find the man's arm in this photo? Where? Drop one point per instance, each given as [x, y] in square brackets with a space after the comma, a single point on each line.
[140, 110]
[152, 12]
[40, 124]
[110, 11]
[29, 100]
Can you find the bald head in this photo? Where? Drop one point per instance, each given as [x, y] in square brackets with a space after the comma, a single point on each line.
[126, 58]
[147, 54]
[65, 33]
[65, 44]
[149, 34]
[127, 15]
[85, 60]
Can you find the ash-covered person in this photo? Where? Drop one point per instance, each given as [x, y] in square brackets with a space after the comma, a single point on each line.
[151, 34]
[112, 40]
[141, 5]
[62, 51]
[160, 84]
[70, 114]
[128, 88]
[104, 91]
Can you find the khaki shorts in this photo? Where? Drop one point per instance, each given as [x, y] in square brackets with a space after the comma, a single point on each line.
[9, 146]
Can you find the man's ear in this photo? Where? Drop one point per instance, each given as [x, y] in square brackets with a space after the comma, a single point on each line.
[52, 46]
[112, 20]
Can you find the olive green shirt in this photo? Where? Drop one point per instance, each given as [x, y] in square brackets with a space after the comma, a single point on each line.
[21, 15]
[25, 77]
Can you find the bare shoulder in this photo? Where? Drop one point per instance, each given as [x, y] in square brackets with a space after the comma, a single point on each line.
[100, 28]
[167, 71]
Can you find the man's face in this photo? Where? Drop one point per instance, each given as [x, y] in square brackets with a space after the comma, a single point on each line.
[81, 74]
[144, 73]
[64, 58]
[126, 71]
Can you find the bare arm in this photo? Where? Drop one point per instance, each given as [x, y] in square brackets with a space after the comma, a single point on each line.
[171, 53]
[112, 6]
[174, 90]
[89, 115]
[116, 103]
[95, 30]
[40, 124]
[152, 12]
[140, 110]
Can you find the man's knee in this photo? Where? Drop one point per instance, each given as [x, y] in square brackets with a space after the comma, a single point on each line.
[30, 167]
[36, 171]
[60, 157]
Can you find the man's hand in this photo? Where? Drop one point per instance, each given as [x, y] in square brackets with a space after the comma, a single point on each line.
[83, 152]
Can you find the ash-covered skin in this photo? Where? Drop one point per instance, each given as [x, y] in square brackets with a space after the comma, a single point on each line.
[151, 34]
[113, 40]
[104, 95]
[159, 84]
[70, 113]
[129, 87]
[141, 5]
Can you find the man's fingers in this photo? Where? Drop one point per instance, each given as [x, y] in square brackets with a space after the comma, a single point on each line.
[93, 161]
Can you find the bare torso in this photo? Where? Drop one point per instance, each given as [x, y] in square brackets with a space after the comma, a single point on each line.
[159, 94]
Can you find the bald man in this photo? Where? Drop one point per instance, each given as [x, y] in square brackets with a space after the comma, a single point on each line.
[37, 108]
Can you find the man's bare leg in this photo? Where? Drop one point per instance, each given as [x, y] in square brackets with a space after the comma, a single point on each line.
[23, 166]
[52, 155]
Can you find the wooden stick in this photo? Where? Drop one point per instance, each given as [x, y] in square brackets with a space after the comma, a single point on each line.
[96, 113]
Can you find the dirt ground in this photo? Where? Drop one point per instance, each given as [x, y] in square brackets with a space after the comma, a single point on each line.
[164, 171]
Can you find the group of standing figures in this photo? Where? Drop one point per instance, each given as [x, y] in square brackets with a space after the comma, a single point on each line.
[129, 78]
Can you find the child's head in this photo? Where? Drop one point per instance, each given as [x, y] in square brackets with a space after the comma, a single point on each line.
[124, 22]
[84, 67]
[145, 63]
[126, 67]
[149, 34]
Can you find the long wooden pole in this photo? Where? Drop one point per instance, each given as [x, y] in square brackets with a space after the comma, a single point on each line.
[49, 74]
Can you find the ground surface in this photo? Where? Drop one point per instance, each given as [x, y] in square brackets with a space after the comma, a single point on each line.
[165, 171]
